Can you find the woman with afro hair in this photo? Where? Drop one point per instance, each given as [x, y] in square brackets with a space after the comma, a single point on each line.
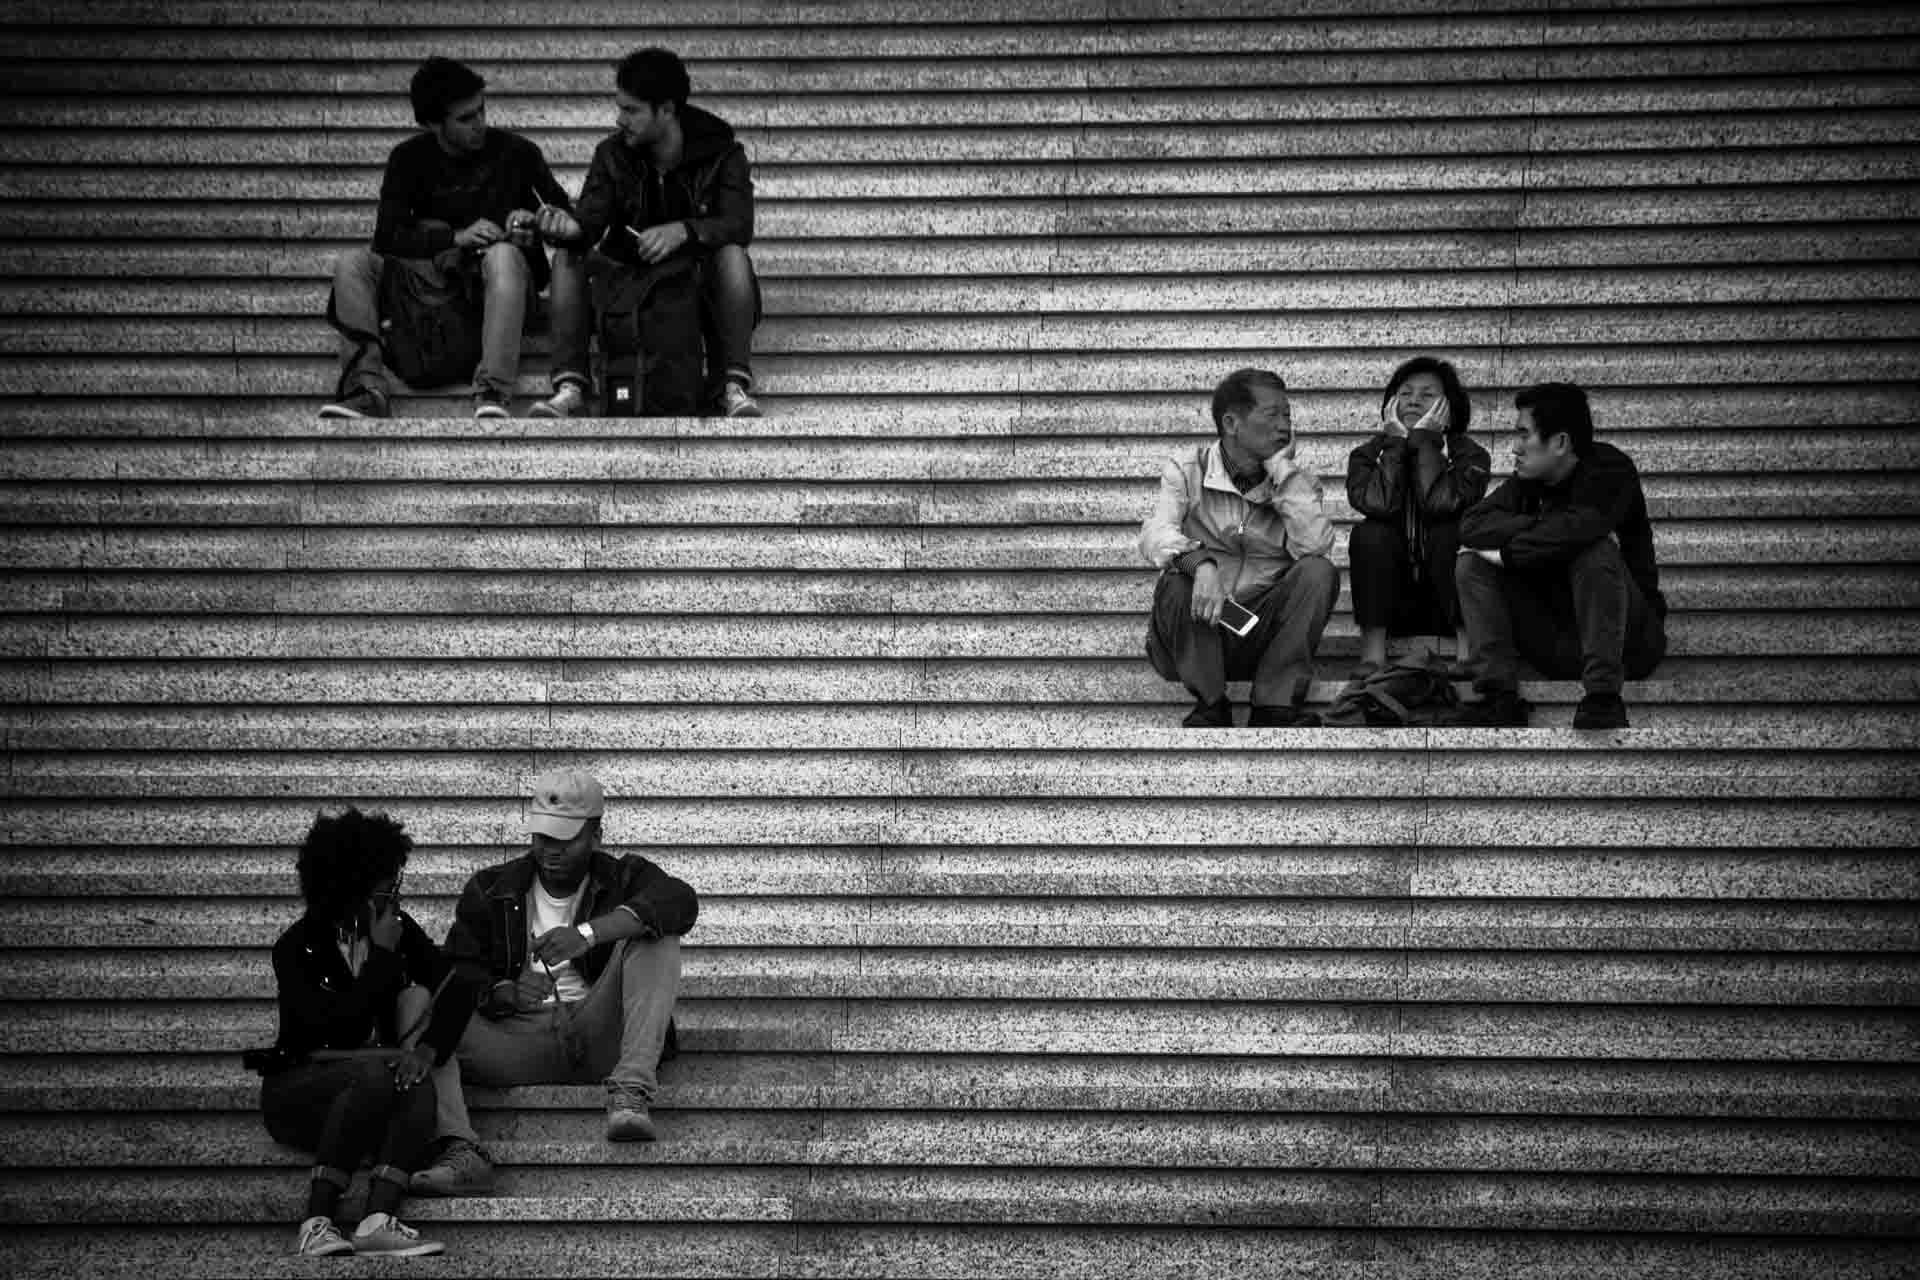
[1411, 481]
[368, 1007]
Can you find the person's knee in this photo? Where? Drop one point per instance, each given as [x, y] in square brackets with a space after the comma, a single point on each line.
[504, 265]
[1471, 571]
[1602, 557]
[1317, 576]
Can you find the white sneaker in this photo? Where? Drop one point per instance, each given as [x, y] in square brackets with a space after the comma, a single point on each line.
[319, 1238]
[383, 1235]
[735, 402]
[563, 403]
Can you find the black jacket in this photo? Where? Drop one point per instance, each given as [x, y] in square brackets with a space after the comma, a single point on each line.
[488, 940]
[324, 1006]
[427, 195]
[1387, 475]
[1537, 526]
[711, 191]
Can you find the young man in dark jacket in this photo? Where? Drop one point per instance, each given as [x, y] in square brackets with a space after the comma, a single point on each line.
[1557, 566]
[578, 954]
[457, 208]
[671, 183]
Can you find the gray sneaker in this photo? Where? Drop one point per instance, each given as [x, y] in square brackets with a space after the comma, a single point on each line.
[383, 1235]
[361, 402]
[319, 1238]
[627, 1118]
[461, 1169]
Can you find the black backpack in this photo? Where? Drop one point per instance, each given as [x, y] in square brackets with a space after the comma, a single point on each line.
[1413, 690]
[431, 318]
[651, 340]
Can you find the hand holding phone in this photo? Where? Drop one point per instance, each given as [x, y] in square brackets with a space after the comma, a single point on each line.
[1237, 618]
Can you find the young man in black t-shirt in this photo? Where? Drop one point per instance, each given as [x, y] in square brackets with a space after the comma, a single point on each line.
[457, 203]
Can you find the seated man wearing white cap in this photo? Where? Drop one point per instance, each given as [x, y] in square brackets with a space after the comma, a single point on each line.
[578, 953]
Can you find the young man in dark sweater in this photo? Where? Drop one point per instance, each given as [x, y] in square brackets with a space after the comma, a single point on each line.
[671, 182]
[457, 205]
[1557, 566]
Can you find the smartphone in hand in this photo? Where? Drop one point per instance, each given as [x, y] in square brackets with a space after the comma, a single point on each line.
[1237, 618]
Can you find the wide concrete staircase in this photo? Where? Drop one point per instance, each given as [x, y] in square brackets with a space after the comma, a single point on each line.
[999, 972]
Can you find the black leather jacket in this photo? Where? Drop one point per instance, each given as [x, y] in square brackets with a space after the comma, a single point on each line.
[711, 191]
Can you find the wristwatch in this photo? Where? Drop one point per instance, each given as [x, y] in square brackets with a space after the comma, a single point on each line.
[586, 931]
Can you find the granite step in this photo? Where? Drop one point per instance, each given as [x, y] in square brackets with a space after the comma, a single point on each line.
[772, 1082]
[1711, 692]
[1776, 410]
[80, 872]
[294, 593]
[1405, 1250]
[1137, 1028]
[825, 922]
[727, 969]
[709, 1155]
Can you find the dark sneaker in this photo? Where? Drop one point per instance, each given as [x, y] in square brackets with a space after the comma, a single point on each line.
[568, 400]
[1497, 709]
[737, 402]
[319, 1238]
[361, 402]
[461, 1169]
[490, 404]
[627, 1118]
[1259, 717]
[1210, 715]
[1600, 711]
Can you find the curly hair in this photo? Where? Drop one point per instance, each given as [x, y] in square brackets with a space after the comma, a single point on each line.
[345, 855]
[1459, 405]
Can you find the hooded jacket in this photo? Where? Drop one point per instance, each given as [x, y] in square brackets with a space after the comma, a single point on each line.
[711, 191]
[1254, 537]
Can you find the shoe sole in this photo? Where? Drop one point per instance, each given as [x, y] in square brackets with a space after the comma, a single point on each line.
[334, 1252]
[747, 413]
[491, 412]
[408, 1251]
[341, 411]
[542, 411]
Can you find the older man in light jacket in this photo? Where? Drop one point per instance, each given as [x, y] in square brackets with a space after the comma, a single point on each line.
[1240, 521]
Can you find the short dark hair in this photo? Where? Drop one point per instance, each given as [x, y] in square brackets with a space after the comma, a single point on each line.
[1558, 407]
[1459, 405]
[654, 76]
[1235, 393]
[438, 84]
[345, 855]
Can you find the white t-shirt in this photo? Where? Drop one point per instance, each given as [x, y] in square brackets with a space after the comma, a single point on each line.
[544, 912]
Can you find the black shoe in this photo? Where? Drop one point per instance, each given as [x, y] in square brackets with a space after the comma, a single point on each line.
[1210, 715]
[1600, 711]
[1259, 717]
[361, 402]
[1497, 709]
[490, 404]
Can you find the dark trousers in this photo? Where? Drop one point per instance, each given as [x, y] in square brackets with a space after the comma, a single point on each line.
[1277, 655]
[729, 312]
[1588, 621]
[347, 1110]
[1386, 592]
